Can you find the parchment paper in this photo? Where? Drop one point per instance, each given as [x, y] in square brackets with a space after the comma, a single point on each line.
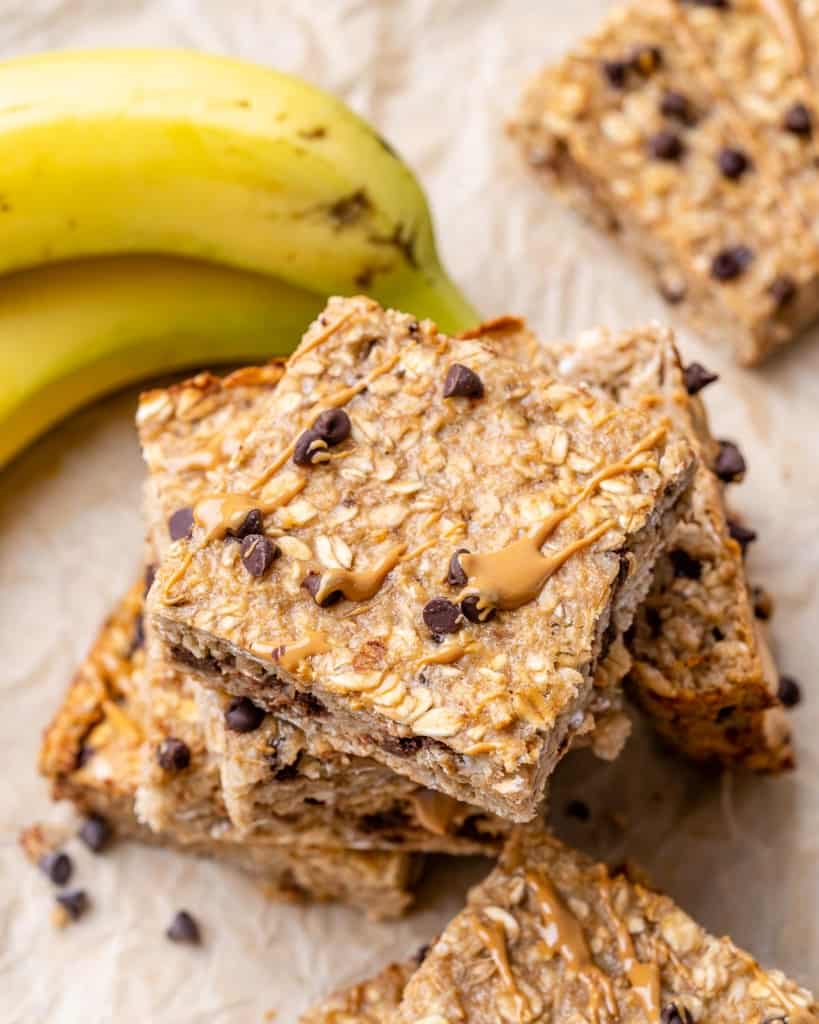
[438, 78]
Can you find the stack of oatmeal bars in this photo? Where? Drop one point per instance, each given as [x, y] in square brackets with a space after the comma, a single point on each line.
[390, 583]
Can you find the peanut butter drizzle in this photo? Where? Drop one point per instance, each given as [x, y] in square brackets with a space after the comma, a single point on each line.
[784, 15]
[435, 811]
[219, 513]
[644, 979]
[492, 935]
[290, 656]
[515, 575]
[176, 576]
[320, 338]
[361, 585]
[445, 655]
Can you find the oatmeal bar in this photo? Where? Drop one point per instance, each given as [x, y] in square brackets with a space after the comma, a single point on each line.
[444, 545]
[701, 667]
[373, 1001]
[95, 754]
[634, 128]
[551, 936]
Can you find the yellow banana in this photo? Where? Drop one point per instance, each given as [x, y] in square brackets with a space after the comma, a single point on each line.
[172, 152]
[70, 332]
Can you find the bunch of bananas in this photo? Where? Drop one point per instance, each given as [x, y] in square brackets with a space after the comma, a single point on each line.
[162, 210]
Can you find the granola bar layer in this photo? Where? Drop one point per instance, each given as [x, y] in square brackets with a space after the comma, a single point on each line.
[102, 739]
[385, 449]
[550, 935]
[701, 666]
[649, 129]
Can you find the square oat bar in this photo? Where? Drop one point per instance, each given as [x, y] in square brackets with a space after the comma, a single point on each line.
[657, 128]
[445, 544]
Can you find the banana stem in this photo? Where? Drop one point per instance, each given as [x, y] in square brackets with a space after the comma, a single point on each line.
[435, 295]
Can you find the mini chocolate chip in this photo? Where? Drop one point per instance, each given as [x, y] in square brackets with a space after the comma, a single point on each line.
[645, 60]
[677, 106]
[729, 464]
[697, 377]
[253, 522]
[615, 72]
[733, 162]
[469, 607]
[95, 833]
[789, 691]
[798, 120]
[57, 865]
[242, 715]
[184, 928]
[334, 426]
[665, 145]
[684, 565]
[456, 577]
[731, 262]
[441, 616]
[310, 448]
[173, 755]
[180, 524]
[461, 382]
[150, 575]
[763, 603]
[741, 534]
[258, 553]
[578, 809]
[673, 1014]
[782, 290]
[74, 901]
[312, 584]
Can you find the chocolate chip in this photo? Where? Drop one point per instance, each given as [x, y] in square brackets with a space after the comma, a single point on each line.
[578, 809]
[469, 607]
[729, 464]
[242, 715]
[697, 377]
[312, 584]
[441, 616]
[763, 603]
[733, 162]
[253, 522]
[74, 901]
[310, 448]
[666, 145]
[57, 865]
[782, 290]
[334, 426]
[789, 691]
[731, 262]
[150, 575]
[615, 72]
[677, 106]
[684, 565]
[456, 577]
[184, 928]
[309, 705]
[741, 534]
[180, 524]
[258, 553]
[173, 755]
[461, 382]
[645, 60]
[95, 833]
[673, 1014]
[798, 120]
[655, 622]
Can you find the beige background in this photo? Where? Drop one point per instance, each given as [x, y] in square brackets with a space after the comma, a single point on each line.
[437, 77]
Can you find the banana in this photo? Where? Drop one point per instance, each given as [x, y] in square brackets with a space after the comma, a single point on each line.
[71, 332]
[177, 153]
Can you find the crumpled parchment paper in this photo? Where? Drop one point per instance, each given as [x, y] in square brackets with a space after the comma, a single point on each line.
[437, 77]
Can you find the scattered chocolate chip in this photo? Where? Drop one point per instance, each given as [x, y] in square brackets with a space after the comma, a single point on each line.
[645, 60]
[731, 262]
[58, 866]
[441, 616]
[74, 901]
[729, 464]
[334, 426]
[741, 534]
[180, 524]
[684, 565]
[717, 634]
[733, 162]
[665, 145]
[673, 1014]
[697, 377]
[677, 106]
[310, 448]
[258, 553]
[95, 833]
[150, 575]
[253, 522]
[184, 928]
[413, 327]
[578, 809]
[782, 290]
[615, 72]
[461, 382]
[173, 755]
[242, 715]
[456, 577]
[287, 774]
[763, 603]
[469, 607]
[798, 120]
[789, 691]
[312, 584]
